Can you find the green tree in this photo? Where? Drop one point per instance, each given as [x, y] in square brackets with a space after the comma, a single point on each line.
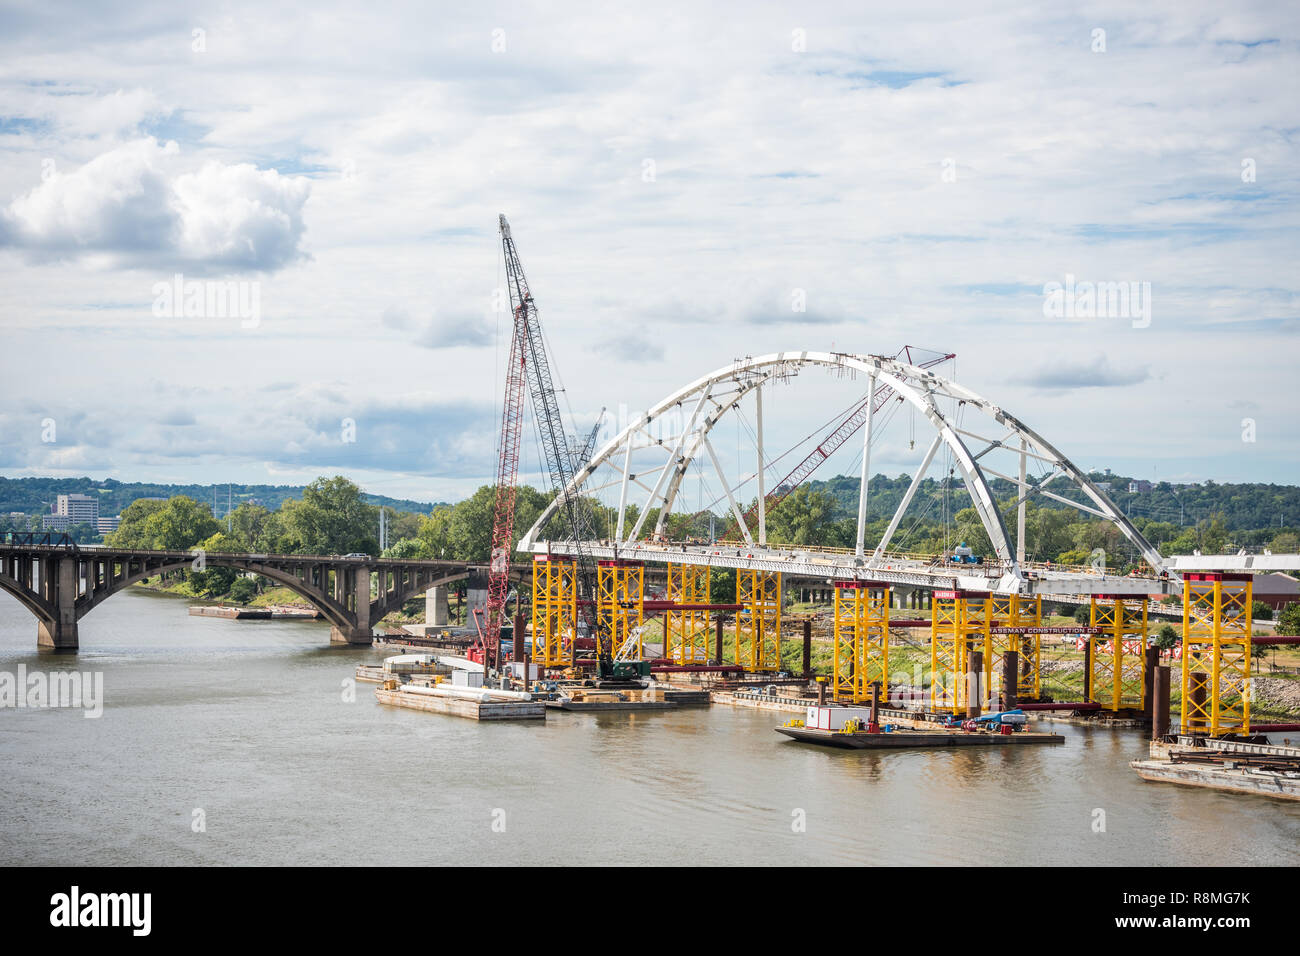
[469, 527]
[275, 536]
[131, 531]
[1167, 637]
[722, 586]
[409, 549]
[803, 517]
[1213, 534]
[243, 590]
[1261, 611]
[222, 543]
[247, 521]
[1288, 622]
[1285, 543]
[177, 524]
[331, 518]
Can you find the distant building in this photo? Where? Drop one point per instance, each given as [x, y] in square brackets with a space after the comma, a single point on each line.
[56, 522]
[1277, 590]
[1105, 486]
[1137, 487]
[81, 509]
[106, 524]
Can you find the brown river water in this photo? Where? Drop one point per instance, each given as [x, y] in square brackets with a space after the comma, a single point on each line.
[224, 742]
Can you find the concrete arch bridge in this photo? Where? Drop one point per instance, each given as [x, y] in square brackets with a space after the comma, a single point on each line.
[61, 584]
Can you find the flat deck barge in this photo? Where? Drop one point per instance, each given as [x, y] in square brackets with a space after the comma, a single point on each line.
[916, 739]
[1233, 766]
[462, 707]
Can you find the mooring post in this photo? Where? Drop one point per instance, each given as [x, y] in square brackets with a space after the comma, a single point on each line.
[874, 727]
[1160, 704]
[1010, 670]
[1148, 680]
[522, 635]
[719, 653]
[821, 692]
[976, 669]
[1087, 669]
[807, 649]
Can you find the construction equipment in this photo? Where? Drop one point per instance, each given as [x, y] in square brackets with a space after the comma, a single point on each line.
[528, 349]
[486, 650]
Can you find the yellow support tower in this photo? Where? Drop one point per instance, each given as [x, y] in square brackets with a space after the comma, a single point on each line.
[620, 602]
[959, 623]
[758, 625]
[686, 633]
[1216, 643]
[1030, 614]
[1118, 654]
[1014, 611]
[555, 610]
[861, 652]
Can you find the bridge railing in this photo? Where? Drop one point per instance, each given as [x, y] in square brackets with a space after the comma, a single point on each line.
[45, 539]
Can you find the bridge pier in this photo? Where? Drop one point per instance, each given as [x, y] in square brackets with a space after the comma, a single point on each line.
[351, 635]
[59, 582]
[356, 588]
[56, 636]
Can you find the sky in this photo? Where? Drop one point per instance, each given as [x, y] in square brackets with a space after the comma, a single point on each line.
[677, 176]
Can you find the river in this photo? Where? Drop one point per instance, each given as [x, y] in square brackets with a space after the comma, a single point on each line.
[225, 742]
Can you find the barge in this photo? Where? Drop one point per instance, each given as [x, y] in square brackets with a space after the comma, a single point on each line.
[907, 738]
[1233, 766]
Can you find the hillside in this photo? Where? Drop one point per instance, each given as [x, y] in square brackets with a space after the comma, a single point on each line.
[35, 495]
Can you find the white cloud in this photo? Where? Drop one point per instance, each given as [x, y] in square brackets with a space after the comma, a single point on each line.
[136, 206]
[775, 171]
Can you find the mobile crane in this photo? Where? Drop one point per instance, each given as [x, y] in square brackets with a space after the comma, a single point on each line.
[529, 365]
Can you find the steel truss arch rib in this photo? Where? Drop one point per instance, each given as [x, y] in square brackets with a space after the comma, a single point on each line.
[726, 387]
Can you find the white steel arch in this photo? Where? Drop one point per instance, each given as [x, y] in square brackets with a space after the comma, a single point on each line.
[680, 426]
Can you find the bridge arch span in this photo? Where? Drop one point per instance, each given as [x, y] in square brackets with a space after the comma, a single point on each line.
[60, 583]
[675, 433]
[335, 613]
[41, 608]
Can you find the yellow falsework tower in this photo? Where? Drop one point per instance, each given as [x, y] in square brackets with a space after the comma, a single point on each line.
[1216, 653]
[686, 633]
[861, 653]
[620, 603]
[1118, 654]
[758, 624]
[959, 623]
[1014, 611]
[555, 610]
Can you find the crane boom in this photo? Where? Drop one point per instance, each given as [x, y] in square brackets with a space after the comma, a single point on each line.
[561, 460]
[503, 510]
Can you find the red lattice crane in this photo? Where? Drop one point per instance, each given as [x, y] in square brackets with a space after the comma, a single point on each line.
[503, 510]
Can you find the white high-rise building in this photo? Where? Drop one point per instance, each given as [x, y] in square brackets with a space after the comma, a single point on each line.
[78, 508]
